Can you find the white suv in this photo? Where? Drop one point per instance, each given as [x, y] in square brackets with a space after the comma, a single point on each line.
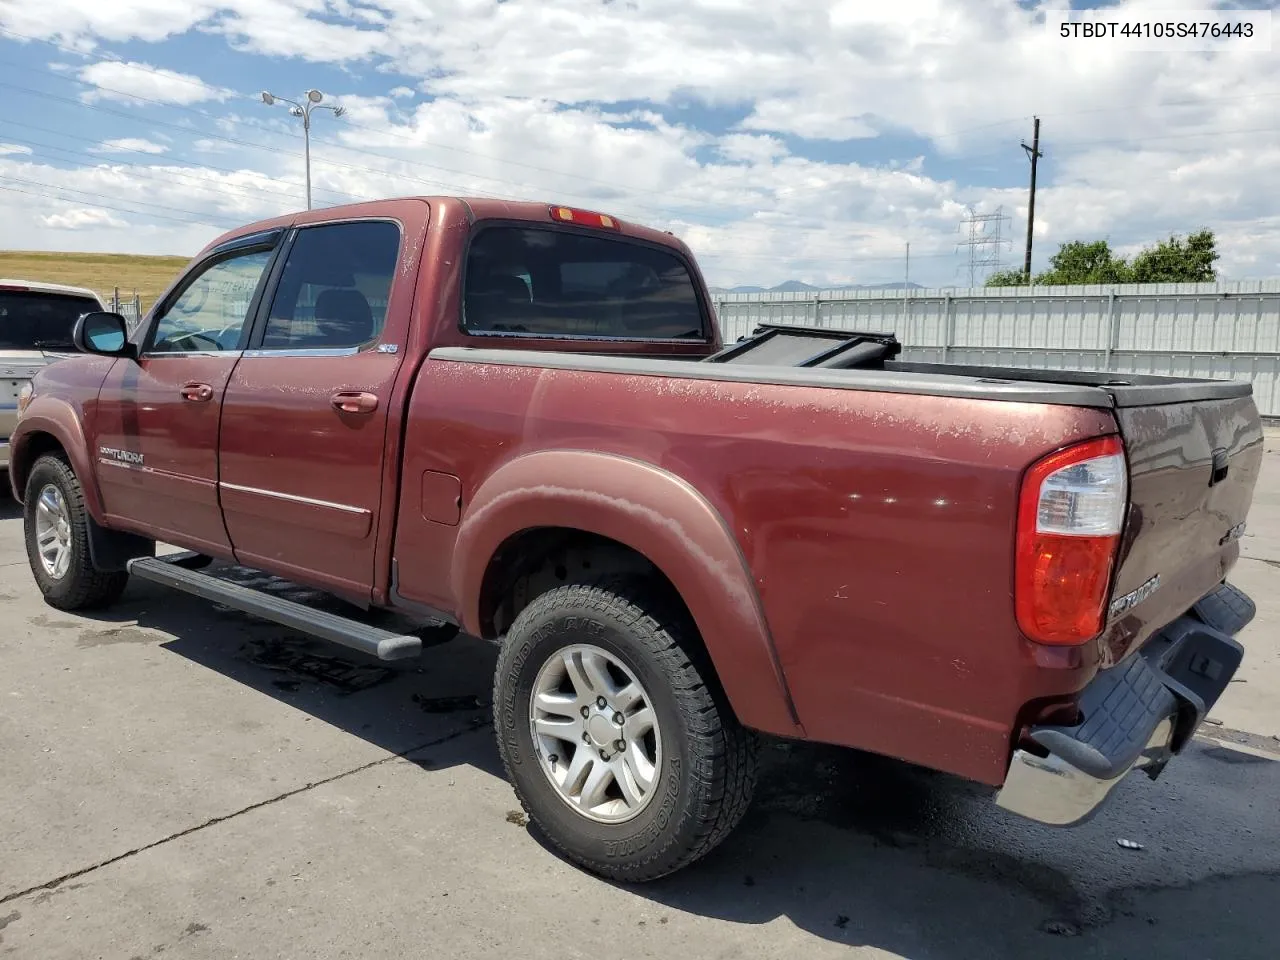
[35, 329]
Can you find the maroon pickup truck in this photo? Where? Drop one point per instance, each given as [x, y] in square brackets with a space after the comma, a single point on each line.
[520, 421]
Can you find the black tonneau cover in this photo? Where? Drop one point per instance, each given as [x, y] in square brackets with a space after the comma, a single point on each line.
[834, 349]
[791, 346]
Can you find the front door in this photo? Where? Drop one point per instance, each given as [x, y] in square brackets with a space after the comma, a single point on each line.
[304, 419]
[157, 418]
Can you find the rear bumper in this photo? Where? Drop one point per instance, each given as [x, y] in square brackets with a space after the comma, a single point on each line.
[1136, 716]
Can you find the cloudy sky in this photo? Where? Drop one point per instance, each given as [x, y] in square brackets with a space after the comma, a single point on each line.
[808, 139]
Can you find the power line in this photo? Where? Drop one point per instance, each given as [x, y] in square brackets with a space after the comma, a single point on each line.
[441, 185]
[104, 206]
[662, 213]
[93, 197]
[235, 141]
[157, 175]
[166, 75]
[159, 172]
[388, 174]
[788, 258]
[203, 165]
[213, 88]
[415, 141]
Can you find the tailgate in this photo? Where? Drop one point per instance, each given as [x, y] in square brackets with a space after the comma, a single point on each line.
[13, 377]
[1192, 470]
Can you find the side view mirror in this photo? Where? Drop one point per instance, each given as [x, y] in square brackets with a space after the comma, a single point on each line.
[102, 333]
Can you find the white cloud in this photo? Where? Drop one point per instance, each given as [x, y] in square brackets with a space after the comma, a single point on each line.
[205, 145]
[78, 22]
[11, 149]
[132, 83]
[284, 28]
[130, 145]
[738, 148]
[78, 218]
[539, 100]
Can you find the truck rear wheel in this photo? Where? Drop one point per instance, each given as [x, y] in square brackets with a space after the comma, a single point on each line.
[57, 538]
[618, 747]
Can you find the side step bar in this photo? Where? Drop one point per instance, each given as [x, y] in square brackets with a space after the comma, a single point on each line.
[374, 641]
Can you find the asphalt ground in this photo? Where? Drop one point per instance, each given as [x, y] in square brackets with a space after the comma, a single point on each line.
[178, 780]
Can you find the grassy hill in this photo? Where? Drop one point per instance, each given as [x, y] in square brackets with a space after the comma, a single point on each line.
[100, 272]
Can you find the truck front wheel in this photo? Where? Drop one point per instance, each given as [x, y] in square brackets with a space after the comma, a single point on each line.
[618, 748]
[57, 537]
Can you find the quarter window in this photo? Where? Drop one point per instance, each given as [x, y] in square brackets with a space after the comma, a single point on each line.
[334, 288]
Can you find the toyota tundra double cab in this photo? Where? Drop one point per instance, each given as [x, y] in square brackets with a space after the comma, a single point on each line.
[520, 419]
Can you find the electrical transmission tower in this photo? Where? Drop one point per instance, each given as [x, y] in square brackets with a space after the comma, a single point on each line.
[984, 241]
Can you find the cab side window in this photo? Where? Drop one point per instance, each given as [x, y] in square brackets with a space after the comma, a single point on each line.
[211, 313]
[334, 288]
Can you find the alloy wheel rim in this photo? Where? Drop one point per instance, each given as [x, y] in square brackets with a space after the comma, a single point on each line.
[595, 733]
[53, 532]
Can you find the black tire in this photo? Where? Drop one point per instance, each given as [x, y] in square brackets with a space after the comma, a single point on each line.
[82, 586]
[708, 769]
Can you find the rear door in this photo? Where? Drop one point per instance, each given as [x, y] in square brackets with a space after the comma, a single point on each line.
[305, 416]
[1193, 467]
[156, 443]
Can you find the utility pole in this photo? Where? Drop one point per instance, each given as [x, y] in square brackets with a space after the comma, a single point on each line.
[311, 101]
[1033, 152]
[906, 276]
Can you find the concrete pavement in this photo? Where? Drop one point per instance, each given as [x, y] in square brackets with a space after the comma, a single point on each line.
[180, 781]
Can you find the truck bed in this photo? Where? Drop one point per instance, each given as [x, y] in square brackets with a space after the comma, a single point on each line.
[827, 348]
[1075, 388]
[895, 486]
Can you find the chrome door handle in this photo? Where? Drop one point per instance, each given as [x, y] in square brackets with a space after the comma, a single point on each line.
[197, 392]
[354, 401]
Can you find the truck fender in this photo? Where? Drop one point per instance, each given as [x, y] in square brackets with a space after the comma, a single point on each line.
[57, 418]
[109, 550]
[661, 517]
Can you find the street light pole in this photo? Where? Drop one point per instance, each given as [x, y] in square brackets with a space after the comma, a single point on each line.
[311, 101]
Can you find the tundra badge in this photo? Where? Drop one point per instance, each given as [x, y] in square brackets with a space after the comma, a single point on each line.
[121, 456]
[1130, 600]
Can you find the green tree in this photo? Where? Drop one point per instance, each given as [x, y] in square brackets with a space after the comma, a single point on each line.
[1080, 262]
[1007, 278]
[1170, 261]
[1178, 261]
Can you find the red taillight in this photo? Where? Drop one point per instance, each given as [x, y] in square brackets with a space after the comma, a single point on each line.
[1070, 515]
[13, 288]
[584, 217]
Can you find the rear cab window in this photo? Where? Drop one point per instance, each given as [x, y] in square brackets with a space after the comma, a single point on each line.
[548, 281]
[38, 320]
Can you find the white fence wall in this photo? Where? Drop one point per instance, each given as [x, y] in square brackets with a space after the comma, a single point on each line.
[1225, 331]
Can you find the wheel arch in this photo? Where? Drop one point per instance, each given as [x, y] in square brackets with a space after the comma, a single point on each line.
[50, 425]
[53, 428]
[628, 512]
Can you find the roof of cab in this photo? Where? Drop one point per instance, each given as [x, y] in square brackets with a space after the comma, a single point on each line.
[481, 208]
[39, 286]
